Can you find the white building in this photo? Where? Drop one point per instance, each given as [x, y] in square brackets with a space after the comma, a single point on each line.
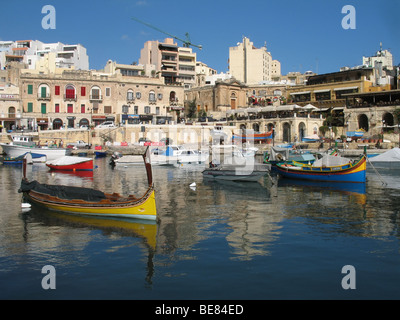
[382, 56]
[32, 51]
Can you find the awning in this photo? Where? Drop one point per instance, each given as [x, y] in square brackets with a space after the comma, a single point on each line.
[290, 107]
[268, 109]
[304, 92]
[310, 107]
[254, 110]
[347, 88]
[321, 91]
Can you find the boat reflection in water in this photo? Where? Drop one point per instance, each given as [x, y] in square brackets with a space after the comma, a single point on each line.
[357, 191]
[145, 230]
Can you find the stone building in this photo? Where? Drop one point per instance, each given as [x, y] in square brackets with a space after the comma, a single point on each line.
[84, 98]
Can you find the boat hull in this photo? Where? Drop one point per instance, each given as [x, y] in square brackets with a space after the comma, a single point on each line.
[14, 151]
[346, 173]
[82, 166]
[144, 208]
[238, 174]
[231, 176]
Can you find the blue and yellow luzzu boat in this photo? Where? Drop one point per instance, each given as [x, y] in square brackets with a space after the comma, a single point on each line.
[349, 172]
[86, 201]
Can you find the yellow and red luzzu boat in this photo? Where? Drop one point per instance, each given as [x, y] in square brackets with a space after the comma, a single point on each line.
[93, 202]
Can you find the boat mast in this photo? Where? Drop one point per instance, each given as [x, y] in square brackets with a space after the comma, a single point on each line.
[147, 163]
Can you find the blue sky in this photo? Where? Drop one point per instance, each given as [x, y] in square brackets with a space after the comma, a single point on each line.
[302, 35]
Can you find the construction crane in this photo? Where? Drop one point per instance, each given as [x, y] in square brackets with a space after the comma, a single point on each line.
[186, 43]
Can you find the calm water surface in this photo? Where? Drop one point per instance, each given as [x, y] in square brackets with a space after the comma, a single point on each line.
[275, 239]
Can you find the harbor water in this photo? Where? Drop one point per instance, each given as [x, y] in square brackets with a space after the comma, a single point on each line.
[272, 239]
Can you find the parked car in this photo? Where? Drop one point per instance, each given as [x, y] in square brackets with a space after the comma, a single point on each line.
[106, 124]
[80, 144]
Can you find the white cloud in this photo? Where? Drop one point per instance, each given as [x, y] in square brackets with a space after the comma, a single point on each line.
[141, 3]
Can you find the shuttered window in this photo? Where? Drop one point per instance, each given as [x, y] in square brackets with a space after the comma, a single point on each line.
[43, 108]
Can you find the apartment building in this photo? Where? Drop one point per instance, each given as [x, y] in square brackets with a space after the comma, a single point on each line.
[75, 98]
[329, 90]
[175, 64]
[252, 65]
[32, 52]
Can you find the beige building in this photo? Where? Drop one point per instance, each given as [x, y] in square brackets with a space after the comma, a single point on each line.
[175, 64]
[252, 65]
[217, 99]
[71, 99]
[10, 107]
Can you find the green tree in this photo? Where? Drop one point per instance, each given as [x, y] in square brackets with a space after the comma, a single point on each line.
[192, 109]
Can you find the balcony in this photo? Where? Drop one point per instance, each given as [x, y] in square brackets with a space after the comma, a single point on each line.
[44, 97]
[96, 97]
[70, 97]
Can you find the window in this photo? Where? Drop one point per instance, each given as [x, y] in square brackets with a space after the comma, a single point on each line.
[96, 93]
[108, 92]
[43, 92]
[69, 92]
[83, 108]
[57, 90]
[30, 106]
[138, 95]
[83, 91]
[107, 109]
[43, 108]
[70, 108]
[57, 108]
[157, 110]
[160, 96]
[130, 96]
[152, 96]
[136, 109]
[30, 89]
[147, 109]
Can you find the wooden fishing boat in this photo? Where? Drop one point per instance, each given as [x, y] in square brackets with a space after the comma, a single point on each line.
[256, 136]
[237, 173]
[86, 201]
[348, 172]
[70, 163]
[18, 160]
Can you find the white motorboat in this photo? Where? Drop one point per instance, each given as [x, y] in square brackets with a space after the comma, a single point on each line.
[22, 144]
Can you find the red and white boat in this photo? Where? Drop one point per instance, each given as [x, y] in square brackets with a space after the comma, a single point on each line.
[70, 163]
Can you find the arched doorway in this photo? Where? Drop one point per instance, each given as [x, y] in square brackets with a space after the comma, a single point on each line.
[387, 121]
[363, 122]
[233, 100]
[302, 131]
[83, 122]
[286, 132]
[256, 127]
[57, 124]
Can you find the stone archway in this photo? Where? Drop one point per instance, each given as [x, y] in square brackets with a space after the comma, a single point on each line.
[302, 131]
[286, 136]
[363, 122]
